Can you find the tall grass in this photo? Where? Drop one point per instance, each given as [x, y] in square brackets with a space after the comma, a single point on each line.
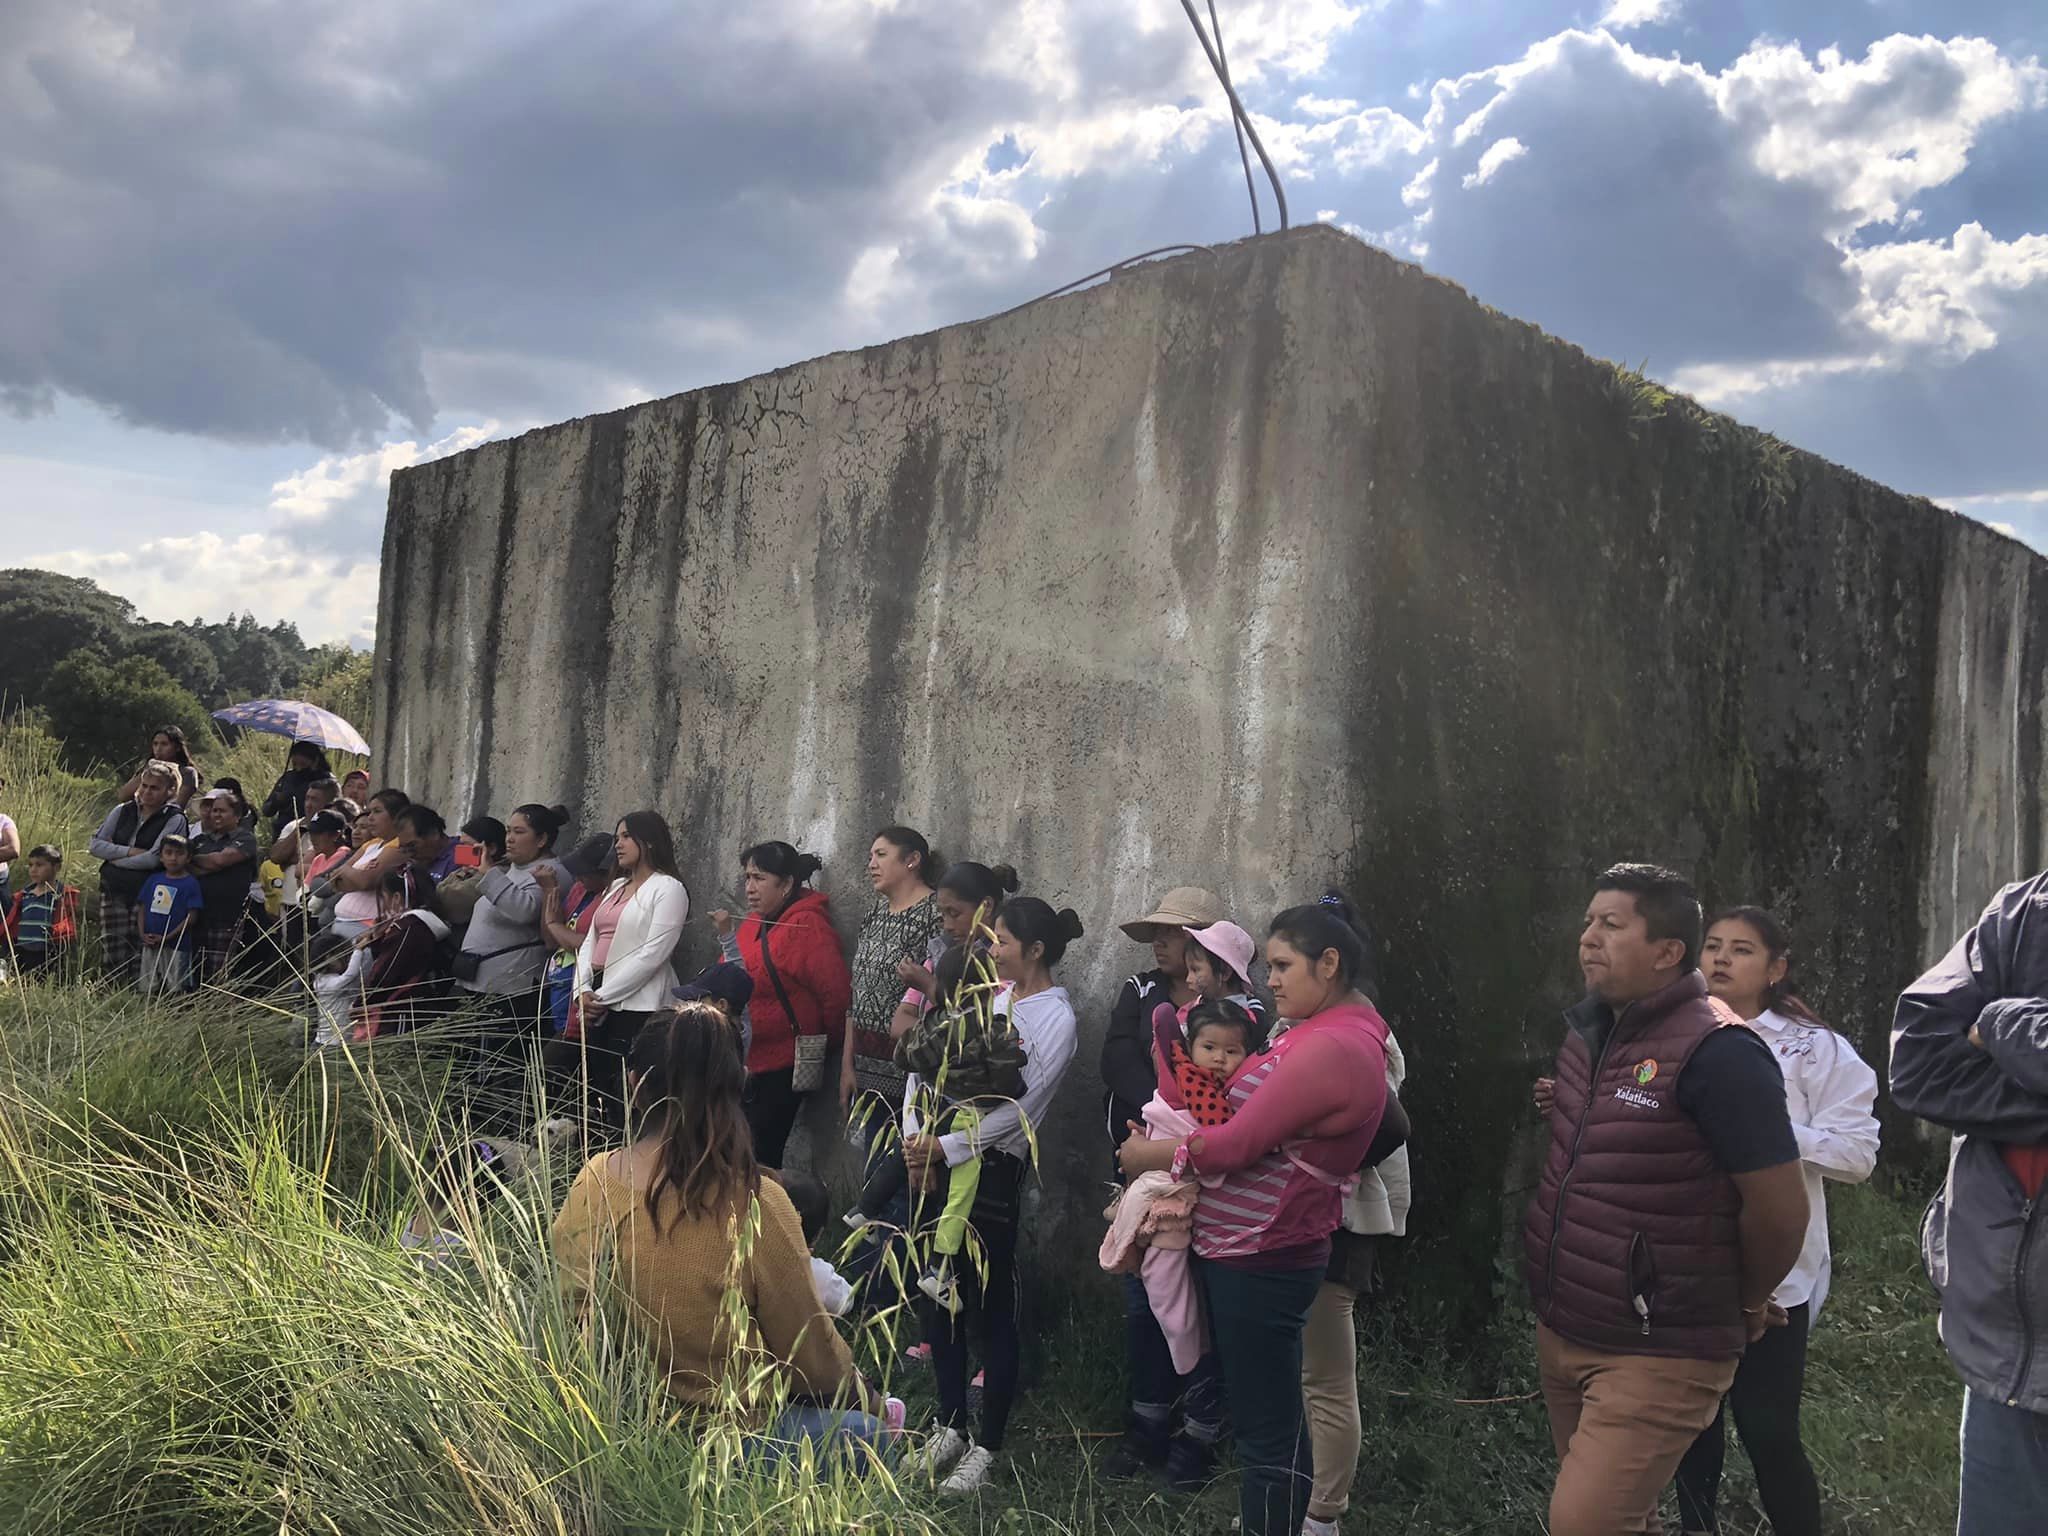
[206, 1325]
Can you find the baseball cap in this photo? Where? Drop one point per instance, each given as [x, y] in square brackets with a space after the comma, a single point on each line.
[588, 857]
[1185, 906]
[217, 794]
[330, 822]
[726, 982]
[1228, 943]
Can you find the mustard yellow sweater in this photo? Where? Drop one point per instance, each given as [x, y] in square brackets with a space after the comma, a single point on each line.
[674, 1285]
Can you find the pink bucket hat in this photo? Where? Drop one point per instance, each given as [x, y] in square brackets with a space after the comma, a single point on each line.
[1230, 944]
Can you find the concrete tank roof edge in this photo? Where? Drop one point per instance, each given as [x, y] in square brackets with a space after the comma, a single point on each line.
[1302, 236]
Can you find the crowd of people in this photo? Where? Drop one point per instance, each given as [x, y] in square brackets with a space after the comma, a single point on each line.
[1676, 1248]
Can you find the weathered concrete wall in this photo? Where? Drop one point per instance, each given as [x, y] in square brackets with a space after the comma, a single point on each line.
[1252, 569]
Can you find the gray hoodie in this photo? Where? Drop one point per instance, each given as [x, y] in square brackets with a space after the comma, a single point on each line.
[1981, 1238]
[506, 926]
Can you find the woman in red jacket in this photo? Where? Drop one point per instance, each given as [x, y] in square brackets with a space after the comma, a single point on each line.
[802, 986]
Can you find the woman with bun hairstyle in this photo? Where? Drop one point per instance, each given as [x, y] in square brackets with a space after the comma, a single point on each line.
[801, 983]
[1304, 1115]
[506, 947]
[1030, 940]
[1375, 1210]
[899, 927]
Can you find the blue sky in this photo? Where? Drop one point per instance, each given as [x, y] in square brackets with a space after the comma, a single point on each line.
[257, 255]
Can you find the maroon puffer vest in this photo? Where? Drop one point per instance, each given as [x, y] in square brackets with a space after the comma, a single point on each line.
[1632, 1242]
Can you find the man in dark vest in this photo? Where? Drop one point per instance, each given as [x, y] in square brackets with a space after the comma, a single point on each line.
[1671, 1205]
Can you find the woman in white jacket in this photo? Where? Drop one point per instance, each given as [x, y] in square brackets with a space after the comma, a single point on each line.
[1830, 1091]
[623, 974]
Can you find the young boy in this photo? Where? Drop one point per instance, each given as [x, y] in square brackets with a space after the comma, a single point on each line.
[167, 910]
[42, 922]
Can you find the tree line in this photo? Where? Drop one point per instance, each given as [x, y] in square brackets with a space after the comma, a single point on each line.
[101, 677]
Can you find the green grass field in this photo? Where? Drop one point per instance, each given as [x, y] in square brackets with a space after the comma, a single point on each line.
[206, 1327]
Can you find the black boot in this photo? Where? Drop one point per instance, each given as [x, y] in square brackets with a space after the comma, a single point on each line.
[1190, 1464]
[1142, 1448]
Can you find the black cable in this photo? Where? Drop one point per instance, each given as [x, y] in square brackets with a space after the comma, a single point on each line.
[1108, 271]
[1237, 126]
[1237, 106]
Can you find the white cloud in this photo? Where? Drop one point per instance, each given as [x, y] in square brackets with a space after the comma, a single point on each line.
[1624, 14]
[1874, 132]
[1499, 153]
[1324, 106]
[346, 482]
[1945, 297]
[209, 576]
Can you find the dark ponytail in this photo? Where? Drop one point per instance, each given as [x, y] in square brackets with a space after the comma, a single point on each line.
[487, 830]
[1032, 921]
[909, 840]
[1330, 924]
[1778, 998]
[782, 861]
[981, 885]
[547, 822]
[689, 1085]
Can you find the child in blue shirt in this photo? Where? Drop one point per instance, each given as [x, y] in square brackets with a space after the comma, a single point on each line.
[166, 914]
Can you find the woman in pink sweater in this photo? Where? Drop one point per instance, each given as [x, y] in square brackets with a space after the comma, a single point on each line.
[1304, 1114]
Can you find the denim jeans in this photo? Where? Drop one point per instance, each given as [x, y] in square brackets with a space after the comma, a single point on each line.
[1256, 1317]
[2005, 1468]
[833, 1434]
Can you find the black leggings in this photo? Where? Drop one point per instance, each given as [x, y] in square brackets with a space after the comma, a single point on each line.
[1765, 1398]
[989, 1301]
[771, 1105]
[586, 1077]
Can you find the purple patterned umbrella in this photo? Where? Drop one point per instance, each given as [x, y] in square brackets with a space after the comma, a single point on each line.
[299, 721]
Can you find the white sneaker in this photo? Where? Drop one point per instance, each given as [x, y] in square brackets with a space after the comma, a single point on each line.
[942, 1450]
[938, 1284]
[976, 1468]
[1311, 1526]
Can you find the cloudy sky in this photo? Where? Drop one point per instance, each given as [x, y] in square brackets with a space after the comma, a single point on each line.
[255, 253]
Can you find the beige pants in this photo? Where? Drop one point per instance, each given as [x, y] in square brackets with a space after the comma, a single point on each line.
[1620, 1424]
[1329, 1390]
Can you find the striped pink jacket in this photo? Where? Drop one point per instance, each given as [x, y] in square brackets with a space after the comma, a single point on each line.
[1281, 1187]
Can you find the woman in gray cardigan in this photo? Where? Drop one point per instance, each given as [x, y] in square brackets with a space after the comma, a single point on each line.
[504, 949]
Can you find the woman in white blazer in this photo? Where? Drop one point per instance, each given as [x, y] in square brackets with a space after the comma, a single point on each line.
[623, 975]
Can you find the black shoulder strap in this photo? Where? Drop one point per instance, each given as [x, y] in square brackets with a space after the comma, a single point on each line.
[775, 979]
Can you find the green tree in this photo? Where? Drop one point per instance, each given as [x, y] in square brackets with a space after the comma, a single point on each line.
[338, 679]
[103, 709]
[256, 661]
[44, 617]
[189, 659]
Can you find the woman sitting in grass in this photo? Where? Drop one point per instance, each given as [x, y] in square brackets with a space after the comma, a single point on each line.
[681, 1228]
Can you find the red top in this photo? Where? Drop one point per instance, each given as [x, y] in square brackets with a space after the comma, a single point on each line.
[2029, 1165]
[812, 965]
